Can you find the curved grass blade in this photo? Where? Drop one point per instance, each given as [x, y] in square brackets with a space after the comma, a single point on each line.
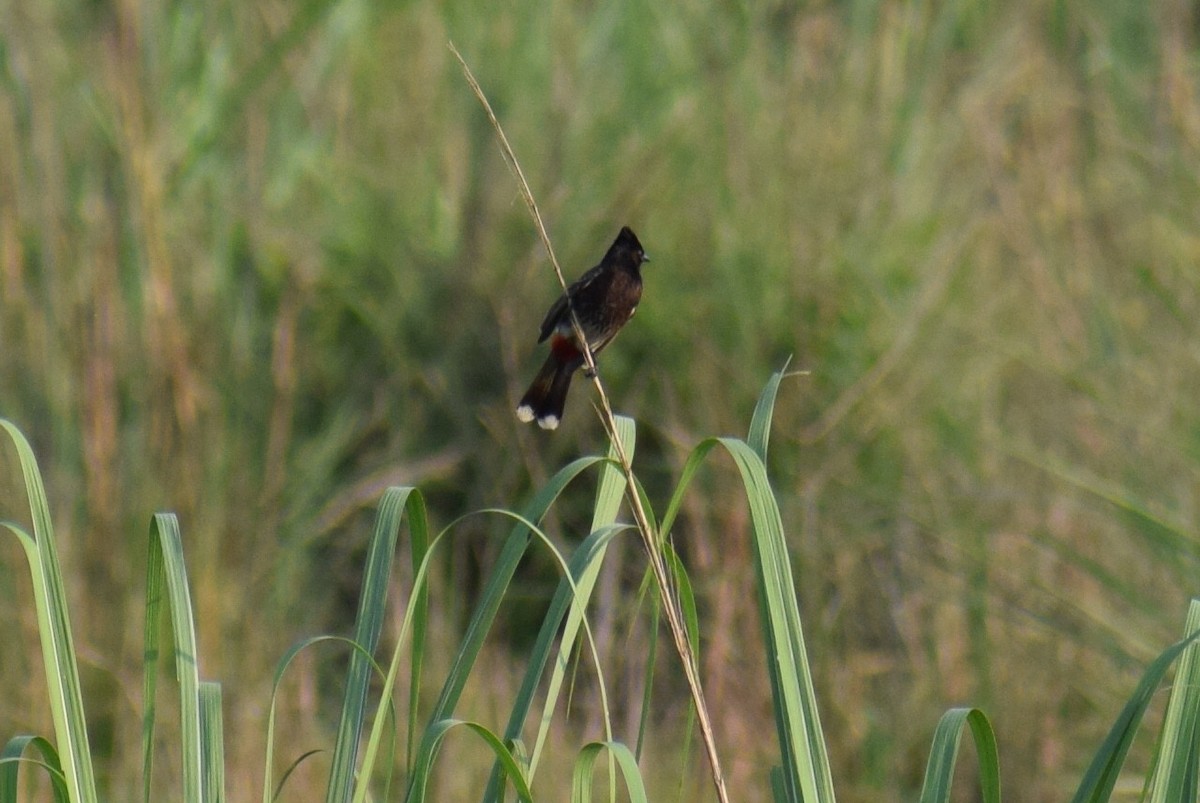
[939, 773]
[371, 752]
[805, 761]
[581, 778]
[13, 756]
[585, 567]
[805, 769]
[54, 627]
[166, 582]
[497, 586]
[372, 609]
[1101, 776]
[295, 765]
[280, 669]
[432, 744]
[759, 436]
[1174, 774]
[389, 682]
[594, 544]
[684, 598]
[760, 422]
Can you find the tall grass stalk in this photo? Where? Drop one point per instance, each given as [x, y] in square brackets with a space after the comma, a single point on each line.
[663, 579]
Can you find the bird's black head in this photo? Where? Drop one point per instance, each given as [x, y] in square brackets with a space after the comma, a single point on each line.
[626, 246]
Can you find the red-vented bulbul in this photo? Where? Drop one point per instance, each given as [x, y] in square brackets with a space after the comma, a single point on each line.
[604, 298]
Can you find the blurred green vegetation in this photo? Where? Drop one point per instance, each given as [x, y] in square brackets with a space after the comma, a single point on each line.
[258, 261]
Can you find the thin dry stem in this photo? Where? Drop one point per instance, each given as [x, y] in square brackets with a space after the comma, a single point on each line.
[675, 622]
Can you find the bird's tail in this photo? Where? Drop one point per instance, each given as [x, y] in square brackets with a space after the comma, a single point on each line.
[547, 395]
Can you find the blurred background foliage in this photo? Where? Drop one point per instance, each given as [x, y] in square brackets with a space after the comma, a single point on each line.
[259, 260]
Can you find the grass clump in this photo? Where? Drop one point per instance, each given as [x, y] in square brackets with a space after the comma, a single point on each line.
[366, 756]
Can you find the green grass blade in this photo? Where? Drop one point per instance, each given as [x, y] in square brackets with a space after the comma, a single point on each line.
[690, 467]
[212, 730]
[372, 610]
[760, 422]
[54, 627]
[151, 639]
[685, 598]
[592, 546]
[287, 773]
[685, 595]
[1173, 776]
[610, 490]
[779, 786]
[939, 773]
[375, 739]
[1102, 773]
[805, 761]
[418, 531]
[497, 587]
[802, 743]
[581, 777]
[513, 769]
[414, 611]
[648, 681]
[270, 793]
[166, 583]
[570, 602]
[805, 771]
[13, 756]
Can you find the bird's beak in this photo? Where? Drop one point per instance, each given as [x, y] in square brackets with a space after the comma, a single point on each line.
[645, 257]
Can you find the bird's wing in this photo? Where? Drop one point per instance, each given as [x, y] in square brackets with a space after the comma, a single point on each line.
[558, 310]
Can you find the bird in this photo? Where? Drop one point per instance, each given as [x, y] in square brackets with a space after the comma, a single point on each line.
[604, 299]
